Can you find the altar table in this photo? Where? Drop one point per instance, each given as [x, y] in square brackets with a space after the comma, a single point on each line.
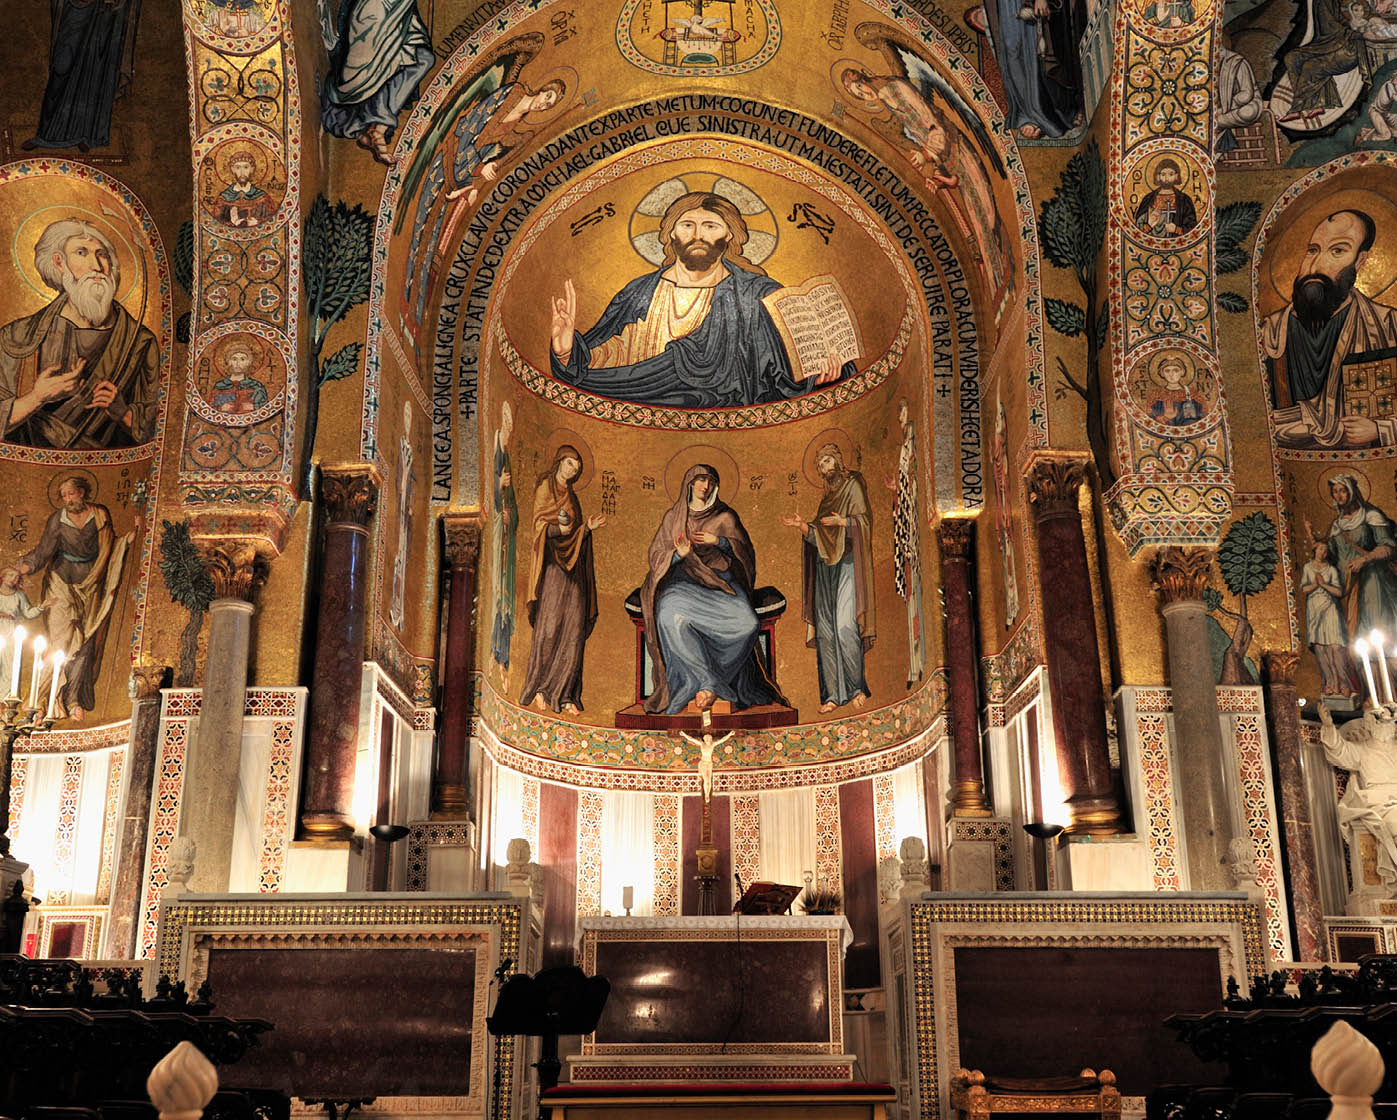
[839, 1100]
[716, 999]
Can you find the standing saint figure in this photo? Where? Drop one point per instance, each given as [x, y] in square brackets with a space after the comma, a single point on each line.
[907, 551]
[1325, 632]
[1363, 546]
[379, 54]
[82, 373]
[562, 588]
[406, 487]
[92, 50]
[82, 560]
[700, 627]
[505, 509]
[837, 584]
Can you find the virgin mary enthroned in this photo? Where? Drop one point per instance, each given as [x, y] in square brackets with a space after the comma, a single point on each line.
[700, 627]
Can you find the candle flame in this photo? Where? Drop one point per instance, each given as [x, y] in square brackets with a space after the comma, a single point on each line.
[1360, 647]
[1375, 639]
[40, 644]
[20, 634]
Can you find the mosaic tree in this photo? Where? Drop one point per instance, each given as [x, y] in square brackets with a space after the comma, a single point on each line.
[1072, 229]
[189, 585]
[335, 268]
[1247, 559]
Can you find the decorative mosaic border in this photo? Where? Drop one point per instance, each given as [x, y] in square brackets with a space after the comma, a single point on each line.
[276, 812]
[19, 772]
[77, 740]
[885, 837]
[111, 822]
[1254, 774]
[658, 757]
[666, 848]
[829, 843]
[746, 829]
[589, 813]
[1156, 773]
[1009, 916]
[92, 918]
[220, 110]
[69, 790]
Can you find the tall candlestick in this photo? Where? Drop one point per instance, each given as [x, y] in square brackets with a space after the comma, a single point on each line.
[57, 662]
[627, 899]
[1376, 639]
[1360, 647]
[17, 655]
[40, 644]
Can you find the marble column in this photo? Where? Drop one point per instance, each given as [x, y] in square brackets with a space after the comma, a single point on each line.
[1297, 830]
[451, 767]
[1181, 575]
[1070, 646]
[350, 496]
[956, 537]
[148, 678]
[208, 808]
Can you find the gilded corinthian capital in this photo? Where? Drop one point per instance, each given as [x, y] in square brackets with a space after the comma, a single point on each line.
[1053, 485]
[1181, 574]
[956, 535]
[462, 531]
[350, 494]
[234, 567]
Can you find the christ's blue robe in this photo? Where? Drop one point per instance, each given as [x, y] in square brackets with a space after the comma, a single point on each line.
[734, 357]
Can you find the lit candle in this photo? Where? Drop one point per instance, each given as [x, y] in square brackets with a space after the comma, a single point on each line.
[1375, 638]
[1360, 647]
[57, 662]
[17, 655]
[40, 643]
[627, 899]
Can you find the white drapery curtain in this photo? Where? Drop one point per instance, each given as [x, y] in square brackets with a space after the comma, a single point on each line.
[786, 842]
[508, 813]
[38, 823]
[627, 850]
[909, 804]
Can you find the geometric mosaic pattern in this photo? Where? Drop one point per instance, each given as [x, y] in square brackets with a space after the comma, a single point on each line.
[666, 855]
[1152, 730]
[885, 834]
[746, 836]
[828, 842]
[589, 809]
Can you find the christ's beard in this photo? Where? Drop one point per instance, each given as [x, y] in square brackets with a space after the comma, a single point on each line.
[698, 253]
[1316, 297]
[91, 296]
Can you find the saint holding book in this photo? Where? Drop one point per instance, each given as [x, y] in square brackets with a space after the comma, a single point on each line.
[708, 329]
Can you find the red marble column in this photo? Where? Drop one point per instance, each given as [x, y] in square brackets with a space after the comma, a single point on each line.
[557, 857]
[859, 865]
[691, 825]
[451, 770]
[1070, 646]
[1297, 831]
[956, 536]
[350, 494]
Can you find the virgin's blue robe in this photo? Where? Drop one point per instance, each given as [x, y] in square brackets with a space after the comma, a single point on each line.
[734, 357]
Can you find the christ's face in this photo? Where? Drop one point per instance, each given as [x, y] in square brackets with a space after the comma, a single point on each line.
[74, 501]
[569, 468]
[699, 238]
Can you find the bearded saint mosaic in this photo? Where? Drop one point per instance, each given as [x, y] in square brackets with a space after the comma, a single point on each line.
[81, 373]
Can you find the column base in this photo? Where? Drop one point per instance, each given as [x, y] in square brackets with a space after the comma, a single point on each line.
[449, 803]
[326, 826]
[979, 856]
[1093, 816]
[968, 800]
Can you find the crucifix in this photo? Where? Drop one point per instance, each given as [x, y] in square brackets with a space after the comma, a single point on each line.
[705, 854]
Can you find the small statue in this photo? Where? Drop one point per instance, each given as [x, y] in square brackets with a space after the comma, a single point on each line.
[1258, 989]
[204, 996]
[1278, 983]
[1234, 990]
[82, 989]
[181, 994]
[163, 988]
[1367, 748]
[1308, 986]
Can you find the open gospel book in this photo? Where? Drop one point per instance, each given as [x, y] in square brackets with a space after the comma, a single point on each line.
[814, 320]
